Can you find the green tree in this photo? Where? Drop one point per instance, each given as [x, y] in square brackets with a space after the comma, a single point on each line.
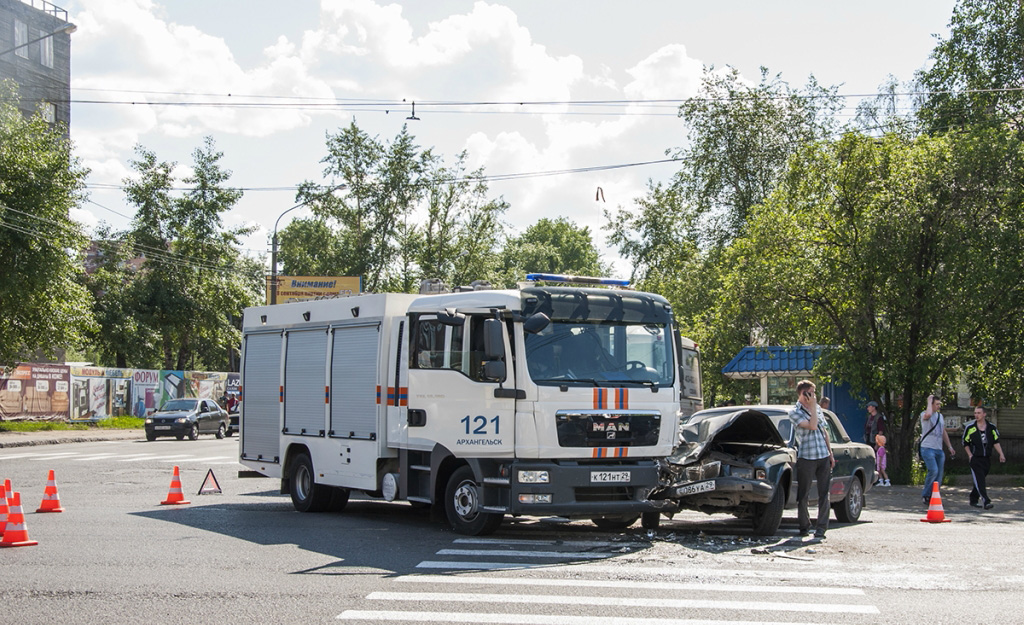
[904, 255]
[194, 282]
[43, 305]
[739, 139]
[553, 246]
[977, 72]
[310, 247]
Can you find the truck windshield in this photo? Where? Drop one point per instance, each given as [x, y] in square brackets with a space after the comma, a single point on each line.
[600, 338]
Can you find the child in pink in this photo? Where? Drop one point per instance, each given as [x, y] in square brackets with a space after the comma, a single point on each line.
[883, 477]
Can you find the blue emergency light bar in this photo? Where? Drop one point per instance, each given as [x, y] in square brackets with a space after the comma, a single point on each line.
[554, 277]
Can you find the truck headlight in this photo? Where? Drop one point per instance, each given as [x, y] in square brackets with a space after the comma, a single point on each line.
[761, 474]
[533, 477]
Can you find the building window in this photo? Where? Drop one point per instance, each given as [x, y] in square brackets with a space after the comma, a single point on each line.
[46, 52]
[49, 112]
[21, 38]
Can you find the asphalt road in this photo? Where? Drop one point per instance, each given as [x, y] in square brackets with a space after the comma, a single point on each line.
[117, 556]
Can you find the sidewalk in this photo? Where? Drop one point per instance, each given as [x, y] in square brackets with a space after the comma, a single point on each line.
[56, 437]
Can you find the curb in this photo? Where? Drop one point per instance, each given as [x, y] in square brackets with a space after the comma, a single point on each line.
[59, 437]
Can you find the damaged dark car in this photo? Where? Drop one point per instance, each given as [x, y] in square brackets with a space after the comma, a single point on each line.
[735, 462]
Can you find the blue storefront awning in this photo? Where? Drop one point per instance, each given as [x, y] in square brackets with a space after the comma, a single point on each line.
[759, 362]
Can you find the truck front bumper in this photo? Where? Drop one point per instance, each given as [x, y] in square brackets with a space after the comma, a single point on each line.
[583, 490]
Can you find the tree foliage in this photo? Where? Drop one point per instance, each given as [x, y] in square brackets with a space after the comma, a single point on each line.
[977, 72]
[187, 297]
[903, 256]
[43, 305]
[395, 214]
[552, 246]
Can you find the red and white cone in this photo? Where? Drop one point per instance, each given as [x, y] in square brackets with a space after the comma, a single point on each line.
[51, 500]
[15, 534]
[3, 508]
[175, 496]
[935, 513]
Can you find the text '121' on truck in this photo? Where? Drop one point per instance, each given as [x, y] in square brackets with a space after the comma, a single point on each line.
[552, 401]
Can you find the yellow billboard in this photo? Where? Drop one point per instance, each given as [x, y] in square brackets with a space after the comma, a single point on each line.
[302, 288]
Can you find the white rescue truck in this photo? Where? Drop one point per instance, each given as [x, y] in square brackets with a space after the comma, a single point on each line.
[542, 401]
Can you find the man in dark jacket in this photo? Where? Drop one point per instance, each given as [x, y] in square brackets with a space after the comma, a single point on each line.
[980, 439]
[875, 424]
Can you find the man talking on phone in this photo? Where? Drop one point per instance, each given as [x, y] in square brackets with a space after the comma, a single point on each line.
[814, 459]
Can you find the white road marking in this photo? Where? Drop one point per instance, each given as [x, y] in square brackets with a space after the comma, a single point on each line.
[56, 456]
[161, 458]
[212, 458]
[91, 457]
[524, 554]
[631, 602]
[16, 456]
[618, 583]
[482, 566]
[531, 619]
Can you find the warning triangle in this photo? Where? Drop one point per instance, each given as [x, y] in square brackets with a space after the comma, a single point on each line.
[210, 484]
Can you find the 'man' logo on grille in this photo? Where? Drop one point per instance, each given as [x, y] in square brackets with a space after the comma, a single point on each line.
[611, 427]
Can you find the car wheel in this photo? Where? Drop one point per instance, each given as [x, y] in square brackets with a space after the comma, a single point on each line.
[848, 510]
[222, 431]
[150, 436]
[307, 495]
[615, 522]
[768, 516]
[463, 504]
[193, 434]
[650, 520]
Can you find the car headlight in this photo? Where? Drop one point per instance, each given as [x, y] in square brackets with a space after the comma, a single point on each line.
[181, 420]
[533, 477]
[746, 473]
[704, 471]
[149, 421]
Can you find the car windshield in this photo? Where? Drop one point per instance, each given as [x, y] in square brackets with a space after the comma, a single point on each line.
[176, 405]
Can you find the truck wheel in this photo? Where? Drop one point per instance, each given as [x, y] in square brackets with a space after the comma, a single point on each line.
[650, 520]
[339, 499]
[307, 495]
[221, 431]
[193, 434]
[768, 516]
[848, 510]
[615, 522]
[463, 504]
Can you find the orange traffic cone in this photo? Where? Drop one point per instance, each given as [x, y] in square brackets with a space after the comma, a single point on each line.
[935, 514]
[15, 534]
[174, 496]
[51, 500]
[3, 509]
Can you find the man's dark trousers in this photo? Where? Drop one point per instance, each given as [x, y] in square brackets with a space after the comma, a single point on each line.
[806, 471]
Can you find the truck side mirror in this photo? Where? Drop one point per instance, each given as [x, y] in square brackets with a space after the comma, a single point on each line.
[494, 340]
[536, 323]
[494, 370]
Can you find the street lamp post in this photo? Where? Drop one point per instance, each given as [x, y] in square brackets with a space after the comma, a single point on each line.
[67, 28]
[273, 244]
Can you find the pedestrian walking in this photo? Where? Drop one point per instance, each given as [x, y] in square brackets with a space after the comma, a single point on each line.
[880, 461]
[874, 424]
[934, 428]
[980, 439]
[814, 459]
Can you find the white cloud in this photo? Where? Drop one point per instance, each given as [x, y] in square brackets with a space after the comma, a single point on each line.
[669, 73]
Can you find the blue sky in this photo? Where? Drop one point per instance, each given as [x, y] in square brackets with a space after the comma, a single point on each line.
[198, 51]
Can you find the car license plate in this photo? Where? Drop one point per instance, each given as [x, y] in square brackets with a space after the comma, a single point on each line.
[162, 427]
[693, 489]
[605, 477]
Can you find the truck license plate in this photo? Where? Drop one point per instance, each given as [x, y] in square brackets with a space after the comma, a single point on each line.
[699, 487]
[604, 477]
[162, 427]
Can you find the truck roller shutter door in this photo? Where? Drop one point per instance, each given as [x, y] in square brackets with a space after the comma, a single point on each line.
[261, 407]
[354, 382]
[305, 375]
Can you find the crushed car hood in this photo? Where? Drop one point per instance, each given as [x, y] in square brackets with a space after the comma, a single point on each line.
[742, 426]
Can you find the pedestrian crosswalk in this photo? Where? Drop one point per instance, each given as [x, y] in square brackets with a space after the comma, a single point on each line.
[562, 582]
[91, 456]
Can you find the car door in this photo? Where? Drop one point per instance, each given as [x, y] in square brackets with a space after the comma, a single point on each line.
[207, 416]
[845, 461]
